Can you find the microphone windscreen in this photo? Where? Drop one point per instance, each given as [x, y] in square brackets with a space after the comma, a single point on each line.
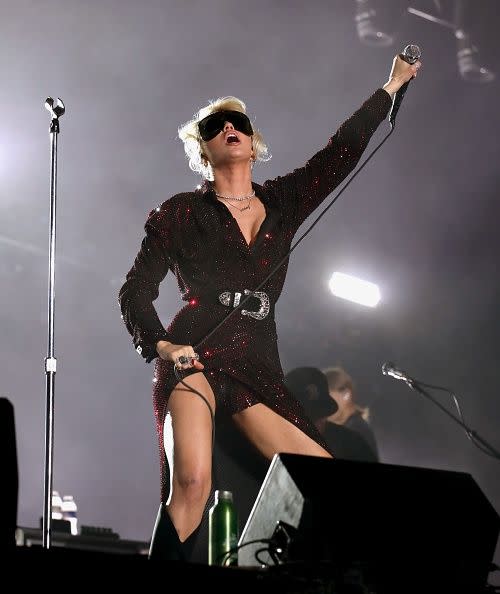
[411, 53]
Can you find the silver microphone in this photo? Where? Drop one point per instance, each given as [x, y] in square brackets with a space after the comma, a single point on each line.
[389, 368]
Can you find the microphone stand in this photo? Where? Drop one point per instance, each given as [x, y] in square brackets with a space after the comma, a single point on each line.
[417, 386]
[56, 110]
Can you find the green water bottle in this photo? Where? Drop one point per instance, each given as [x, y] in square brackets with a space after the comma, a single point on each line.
[222, 530]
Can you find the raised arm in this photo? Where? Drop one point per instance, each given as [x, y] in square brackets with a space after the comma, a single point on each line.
[302, 190]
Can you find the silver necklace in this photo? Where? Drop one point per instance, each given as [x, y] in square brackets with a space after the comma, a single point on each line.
[247, 207]
[236, 198]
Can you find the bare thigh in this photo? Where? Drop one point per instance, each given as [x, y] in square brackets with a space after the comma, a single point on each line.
[271, 434]
[188, 431]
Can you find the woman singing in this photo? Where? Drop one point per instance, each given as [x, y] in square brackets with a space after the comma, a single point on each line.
[220, 242]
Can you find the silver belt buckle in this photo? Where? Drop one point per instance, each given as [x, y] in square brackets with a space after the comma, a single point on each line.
[260, 314]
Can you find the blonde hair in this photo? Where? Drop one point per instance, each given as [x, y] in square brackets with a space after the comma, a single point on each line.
[193, 144]
[339, 379]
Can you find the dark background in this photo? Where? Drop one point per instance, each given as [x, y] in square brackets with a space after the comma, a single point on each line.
[421, 221]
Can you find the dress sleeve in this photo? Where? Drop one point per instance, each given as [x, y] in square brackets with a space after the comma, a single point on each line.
[142, 284]
[303, 190]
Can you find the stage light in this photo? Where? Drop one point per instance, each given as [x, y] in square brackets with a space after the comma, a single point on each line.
[467, 60]
[354, 289]
[467, 54]
[367, 26]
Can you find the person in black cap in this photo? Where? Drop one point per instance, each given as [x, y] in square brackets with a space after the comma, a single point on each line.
[309, 386]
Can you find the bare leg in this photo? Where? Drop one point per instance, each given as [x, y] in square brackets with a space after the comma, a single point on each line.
[188, 441]
[272, 434]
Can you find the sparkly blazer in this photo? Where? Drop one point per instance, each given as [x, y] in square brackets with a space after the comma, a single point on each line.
[194, 236]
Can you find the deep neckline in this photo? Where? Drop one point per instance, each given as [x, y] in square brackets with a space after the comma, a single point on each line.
[269, 220]
[253, 241]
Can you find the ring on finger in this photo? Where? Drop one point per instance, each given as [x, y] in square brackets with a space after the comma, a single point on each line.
[185, 360]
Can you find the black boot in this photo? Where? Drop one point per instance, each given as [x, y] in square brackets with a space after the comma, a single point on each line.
[188, 546]
[165, 544]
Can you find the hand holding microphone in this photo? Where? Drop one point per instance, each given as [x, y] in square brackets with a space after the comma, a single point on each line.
[405, 67]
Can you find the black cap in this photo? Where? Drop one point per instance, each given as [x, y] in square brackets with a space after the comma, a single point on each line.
[309, 386]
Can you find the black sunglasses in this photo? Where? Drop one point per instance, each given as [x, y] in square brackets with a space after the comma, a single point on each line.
[214, 123]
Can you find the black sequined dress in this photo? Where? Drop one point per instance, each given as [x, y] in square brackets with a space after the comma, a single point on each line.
[196, 237]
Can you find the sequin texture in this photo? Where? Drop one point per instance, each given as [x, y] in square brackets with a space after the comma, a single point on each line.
[195, 237]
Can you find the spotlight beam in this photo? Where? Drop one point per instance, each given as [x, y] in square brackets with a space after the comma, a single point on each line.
[34, 249]
[432, 18]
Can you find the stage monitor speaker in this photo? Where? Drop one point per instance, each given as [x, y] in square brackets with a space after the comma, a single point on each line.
[400, 523]
[9, 489]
